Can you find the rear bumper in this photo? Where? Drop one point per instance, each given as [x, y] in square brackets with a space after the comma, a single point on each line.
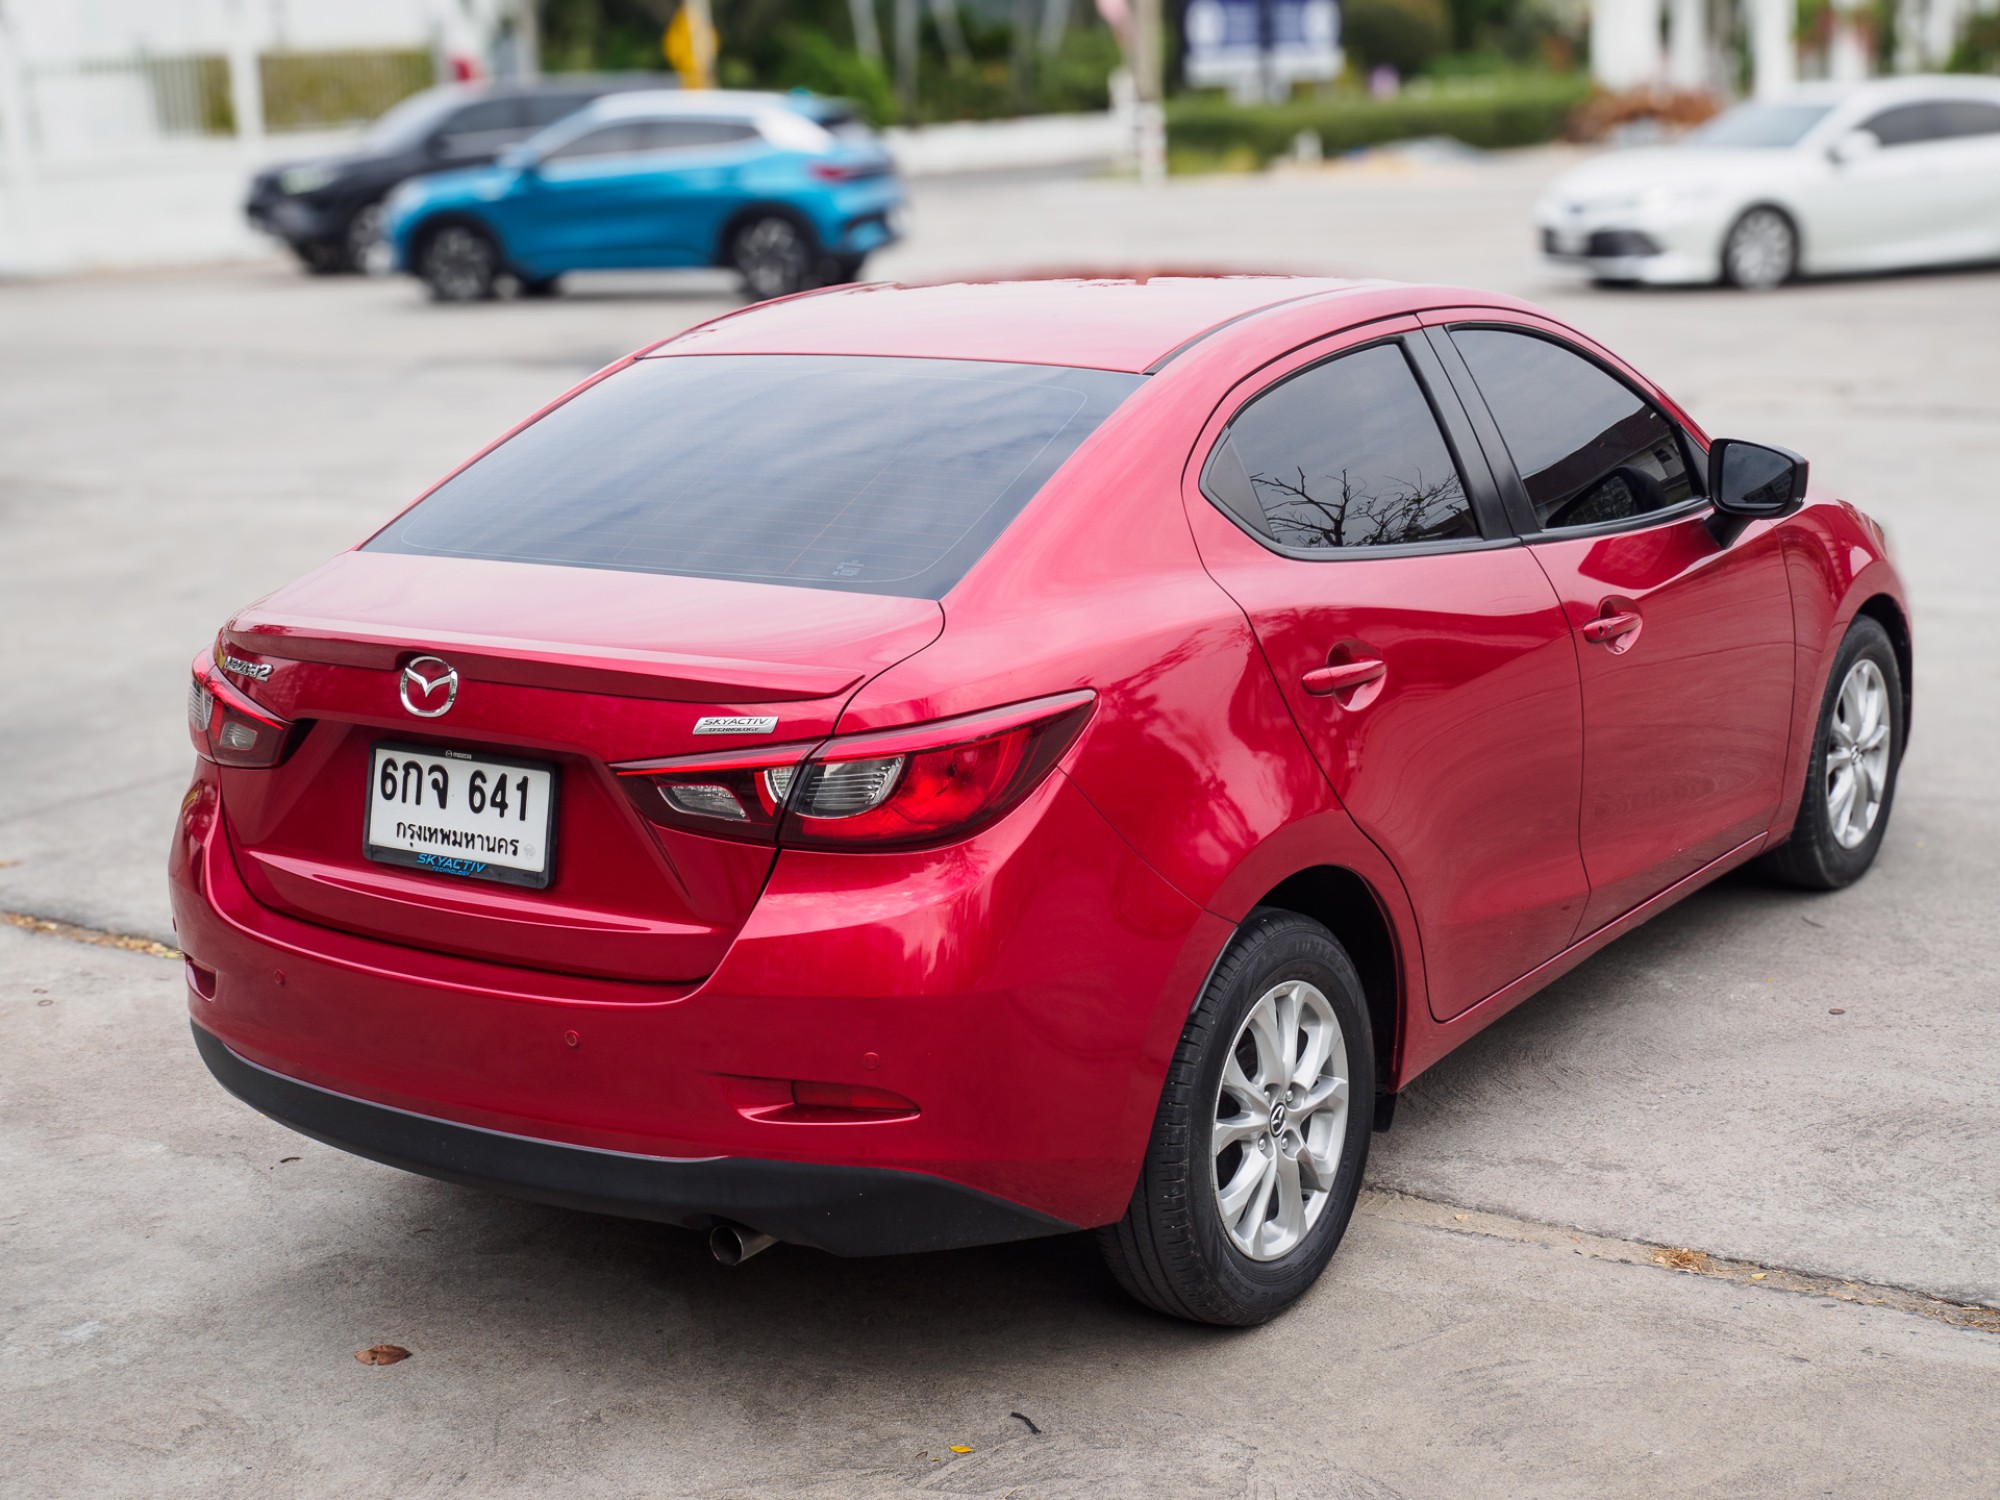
[1025, 989]
[847, 1210]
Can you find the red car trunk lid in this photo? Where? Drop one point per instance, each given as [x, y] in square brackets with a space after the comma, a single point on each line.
[576, 667]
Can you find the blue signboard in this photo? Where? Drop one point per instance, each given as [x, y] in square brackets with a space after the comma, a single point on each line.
[1262, 47]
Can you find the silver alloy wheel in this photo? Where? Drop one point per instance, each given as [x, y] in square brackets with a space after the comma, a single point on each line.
[1857, 754]
[458, 263]
[1761, 250]
[772, 256]
[1280, 1120]
[367, 251]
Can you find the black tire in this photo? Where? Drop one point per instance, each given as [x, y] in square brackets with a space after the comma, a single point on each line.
[541, 286]
[362, 249]
[1761, 250]
[841, 270]
[774, 254]
[459, 263]
[1816, 857]
[320, 257]
[1172, 1250]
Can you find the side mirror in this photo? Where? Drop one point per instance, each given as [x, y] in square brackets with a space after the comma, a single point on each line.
[520, 159]
[1751, 482]
[1851, 147]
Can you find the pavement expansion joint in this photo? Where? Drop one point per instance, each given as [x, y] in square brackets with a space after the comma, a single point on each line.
[1431, 1213]
[96, 937]
[1428, 1213]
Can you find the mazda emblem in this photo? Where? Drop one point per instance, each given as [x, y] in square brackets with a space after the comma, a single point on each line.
[429, 686]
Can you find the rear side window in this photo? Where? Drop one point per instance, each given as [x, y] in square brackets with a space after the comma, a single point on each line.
[606, 140]
[1342, 455]
[483, 127]
[1588, 448]
[1908, 125]
[1968, 117]
[875, 475]
[692, 135]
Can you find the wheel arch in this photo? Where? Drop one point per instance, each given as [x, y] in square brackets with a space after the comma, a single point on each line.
[1345, 904]
[1886, 612]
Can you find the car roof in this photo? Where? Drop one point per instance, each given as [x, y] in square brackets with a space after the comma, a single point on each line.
[728, 103]
[1105, 323]
[1911, 87]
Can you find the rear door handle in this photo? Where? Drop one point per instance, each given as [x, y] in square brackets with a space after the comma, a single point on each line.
[1607, 628]
[1343, 677]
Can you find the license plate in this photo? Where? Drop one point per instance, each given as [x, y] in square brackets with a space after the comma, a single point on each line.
[479, 817]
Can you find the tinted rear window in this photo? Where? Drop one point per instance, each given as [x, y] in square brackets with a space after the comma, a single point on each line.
[881, 476]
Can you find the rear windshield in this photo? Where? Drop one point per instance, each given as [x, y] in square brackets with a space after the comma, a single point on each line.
[880, 476]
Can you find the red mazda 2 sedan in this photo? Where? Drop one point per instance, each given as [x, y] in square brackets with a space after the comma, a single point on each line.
[902, 768]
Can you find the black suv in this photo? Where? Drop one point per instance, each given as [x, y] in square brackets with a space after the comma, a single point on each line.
[329, 210]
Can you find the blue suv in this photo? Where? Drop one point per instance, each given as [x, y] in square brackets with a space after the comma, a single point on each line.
[789, 190]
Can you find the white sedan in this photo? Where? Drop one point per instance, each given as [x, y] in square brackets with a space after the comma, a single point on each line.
[1865, 177]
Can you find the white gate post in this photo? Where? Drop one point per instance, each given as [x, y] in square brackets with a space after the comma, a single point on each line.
[21, 186]
[1687, 43]
[1625, 43]
[246, 87]
[1774, 64]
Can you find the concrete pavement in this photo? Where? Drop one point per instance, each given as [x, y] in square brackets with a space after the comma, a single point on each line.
[184, 1302]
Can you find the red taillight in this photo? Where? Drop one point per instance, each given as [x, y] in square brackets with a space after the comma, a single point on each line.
[227, 727]
[897, 788]
[833, 171]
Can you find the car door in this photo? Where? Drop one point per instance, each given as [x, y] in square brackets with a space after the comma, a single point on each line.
[1684, 644]
[569, 212]
[684, 186]
[1338, 497]
[1927, 194]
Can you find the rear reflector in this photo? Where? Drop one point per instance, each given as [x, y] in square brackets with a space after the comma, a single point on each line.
[899, 788]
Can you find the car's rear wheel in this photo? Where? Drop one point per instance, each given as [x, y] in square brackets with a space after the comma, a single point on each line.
[1851, 780]
[1262, 1133]
[1760, 251]
[774, 255]
[459, 263]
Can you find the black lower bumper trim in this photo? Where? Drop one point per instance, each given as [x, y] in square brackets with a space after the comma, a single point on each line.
[843, 1209]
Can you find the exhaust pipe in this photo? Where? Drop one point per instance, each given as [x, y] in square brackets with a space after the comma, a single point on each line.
[732, 1244]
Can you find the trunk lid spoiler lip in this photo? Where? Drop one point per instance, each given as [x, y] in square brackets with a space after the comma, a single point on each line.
[674, 676]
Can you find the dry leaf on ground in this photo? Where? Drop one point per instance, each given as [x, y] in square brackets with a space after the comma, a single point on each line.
[382, 1354]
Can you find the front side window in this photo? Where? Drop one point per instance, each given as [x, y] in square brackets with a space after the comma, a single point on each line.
[1346, 454]
[1589, 449]
[872, 475]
